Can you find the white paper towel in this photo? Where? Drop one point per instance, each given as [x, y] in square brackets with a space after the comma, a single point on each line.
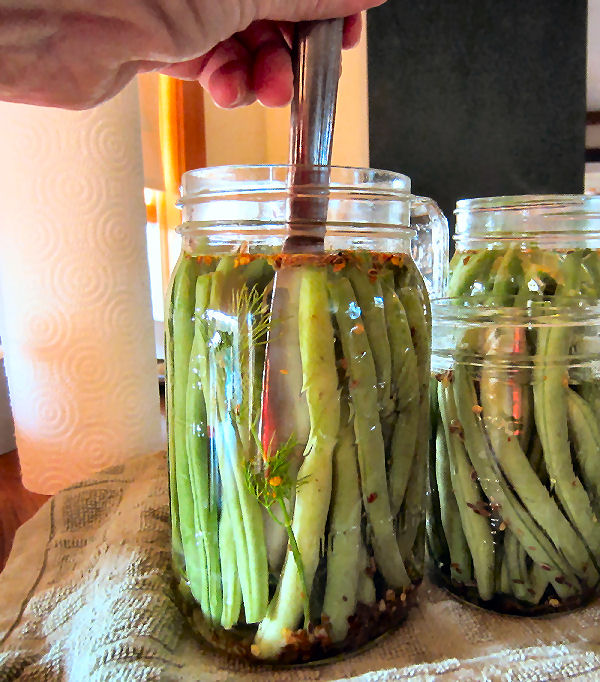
[78, 331]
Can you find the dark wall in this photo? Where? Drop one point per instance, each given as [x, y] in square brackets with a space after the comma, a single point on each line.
[479, 97]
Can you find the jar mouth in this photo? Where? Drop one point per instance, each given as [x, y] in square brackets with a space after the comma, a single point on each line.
[258, 199]
[212, 182]
[548, 218]
[512, 202]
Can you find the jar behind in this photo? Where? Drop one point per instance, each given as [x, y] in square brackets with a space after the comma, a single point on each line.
[297, 401]
[515, 444]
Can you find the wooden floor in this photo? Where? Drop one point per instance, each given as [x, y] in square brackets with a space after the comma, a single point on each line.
[17, 504]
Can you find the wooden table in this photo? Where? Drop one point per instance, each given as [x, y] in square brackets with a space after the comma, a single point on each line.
[17, 504]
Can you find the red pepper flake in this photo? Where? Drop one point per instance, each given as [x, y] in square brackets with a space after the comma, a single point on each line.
[479, 508]
[372, 497]
[466, 259]
[456, 567]
[473, 475]
[340, 265]
[371, 567]
[554, 602]
[207, 259]
[456, 427]
[358, 328]
[244, 259]
[560, 579]
[343, 363]
[283, 371]
[397, 260]
[518, 581]
[275, 481]
[502, 526]
[545, 567]
[477, 409]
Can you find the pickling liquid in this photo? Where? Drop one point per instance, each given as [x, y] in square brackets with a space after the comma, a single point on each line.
[298, 412]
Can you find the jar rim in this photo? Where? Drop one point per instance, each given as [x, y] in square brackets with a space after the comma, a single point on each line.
[214, 181]
[557, 220]
[522, 202]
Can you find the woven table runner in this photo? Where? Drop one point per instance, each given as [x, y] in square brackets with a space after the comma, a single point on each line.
[86, 596]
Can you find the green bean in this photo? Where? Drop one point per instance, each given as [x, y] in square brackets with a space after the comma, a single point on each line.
[365, 589]
[508, 277]
[232, 594]
[406, 394]
[182, 332]
[203, 490]
[590, 392]
[243, 507]
[517, 570]
[538, 583]
[320, 383]
[460, 558]
[369, 439]
[417, 314]
[498, 492]
[403, 447]
[344, 537]
[497, 395]
[550, 409]
[470, 268]
[369, 296]
[471, 507]
[585, 435]
[174, 507]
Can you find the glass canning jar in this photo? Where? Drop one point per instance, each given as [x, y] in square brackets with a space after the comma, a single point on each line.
[298, 412]
[515, 446]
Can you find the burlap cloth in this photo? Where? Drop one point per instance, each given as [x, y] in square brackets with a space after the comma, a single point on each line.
[86, 596]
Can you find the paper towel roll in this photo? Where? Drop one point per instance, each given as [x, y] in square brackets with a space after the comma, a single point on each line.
[78, 331]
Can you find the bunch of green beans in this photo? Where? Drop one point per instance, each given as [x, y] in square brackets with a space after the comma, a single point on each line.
[515, 445]
[310, 546]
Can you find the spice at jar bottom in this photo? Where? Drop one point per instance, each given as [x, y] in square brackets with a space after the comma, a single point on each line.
[515, 446]
[297, 448]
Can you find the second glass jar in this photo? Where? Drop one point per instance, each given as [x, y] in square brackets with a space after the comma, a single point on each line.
[298, 409]
[515, 446]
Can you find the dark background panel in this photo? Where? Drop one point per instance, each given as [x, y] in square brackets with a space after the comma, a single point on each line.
[479, 97]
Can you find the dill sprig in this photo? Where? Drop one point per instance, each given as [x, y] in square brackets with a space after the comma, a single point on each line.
[269, 480]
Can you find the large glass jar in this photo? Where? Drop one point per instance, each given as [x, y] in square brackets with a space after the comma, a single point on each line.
[298, 412]
[515, 446]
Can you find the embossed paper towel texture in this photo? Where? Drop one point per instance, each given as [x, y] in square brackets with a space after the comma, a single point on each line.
[78, 330]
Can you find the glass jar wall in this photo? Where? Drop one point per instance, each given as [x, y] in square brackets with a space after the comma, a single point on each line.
[515, 444]
[298, 410]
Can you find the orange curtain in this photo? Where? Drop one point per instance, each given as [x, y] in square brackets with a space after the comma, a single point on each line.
[182, 148]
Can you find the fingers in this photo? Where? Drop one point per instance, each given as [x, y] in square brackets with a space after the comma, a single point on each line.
[255, 63]
[272, 78]
[352, 31]
[226, 74]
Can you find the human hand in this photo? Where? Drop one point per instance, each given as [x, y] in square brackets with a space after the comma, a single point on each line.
[77, 53]
[254, 64]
